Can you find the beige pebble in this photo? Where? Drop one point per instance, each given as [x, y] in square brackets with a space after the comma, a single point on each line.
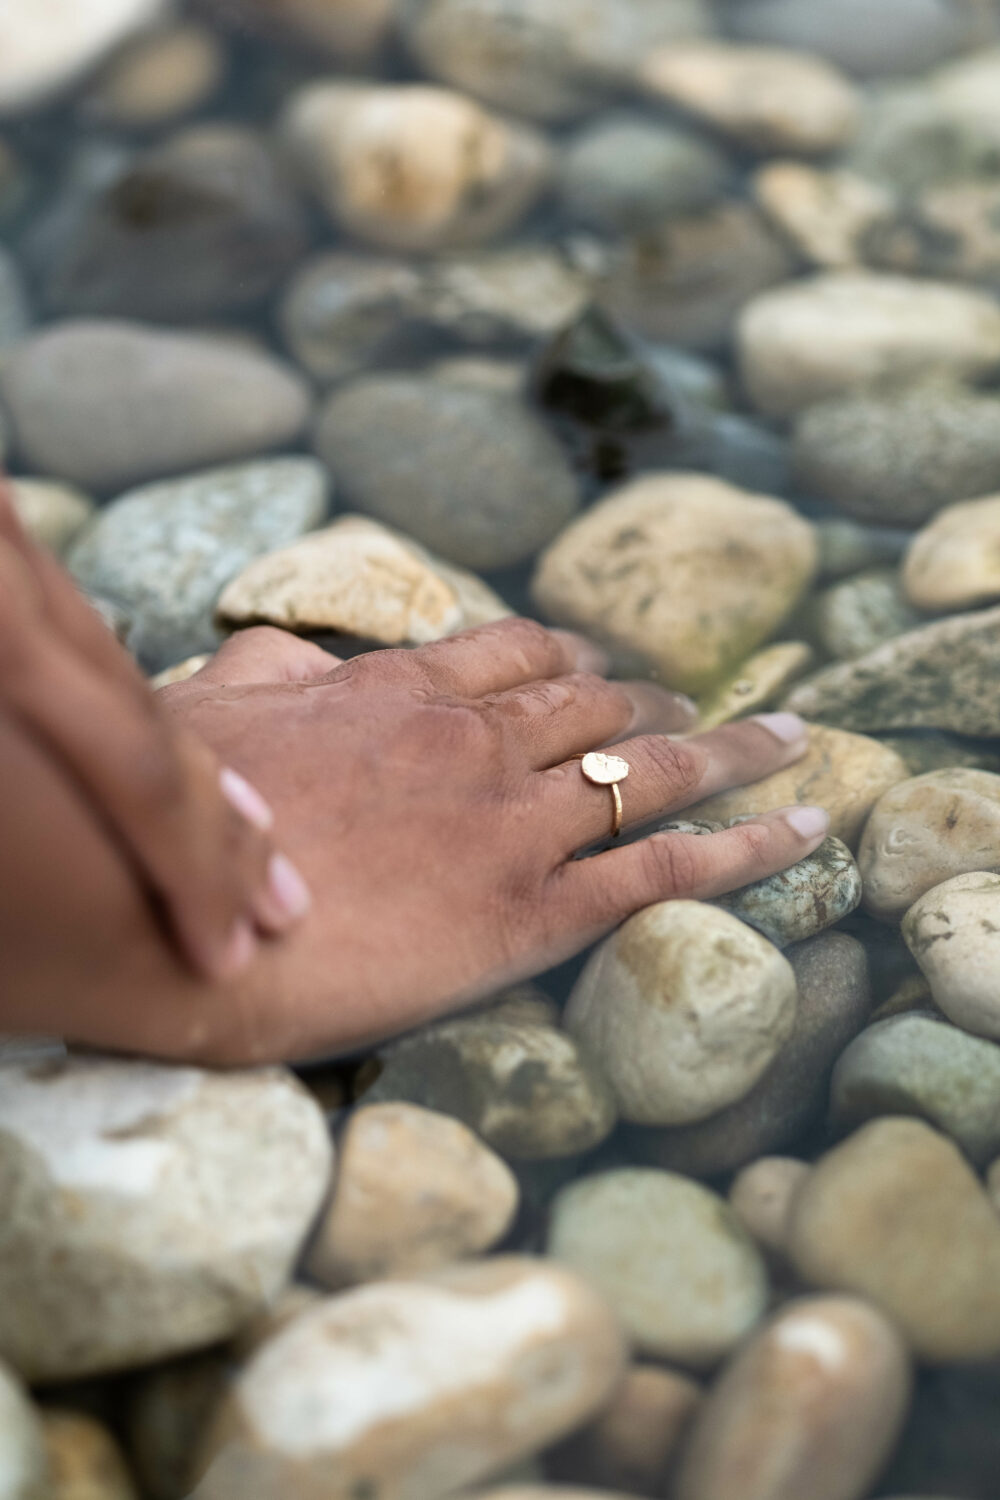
[684, 572]
[182, 672]
[159, 77]
[953, 932]
[926, 830]
[765, 98]
[630, 1444]
[811, 1406]
[823, 213]
[414, 1190]
[24, 1470]
[410, 167]
[51, 512]
[756, 684]
[359, 578]
[896, 1215]
[954, 562]
[85, 1461]
[845, 773]
[761, 1198]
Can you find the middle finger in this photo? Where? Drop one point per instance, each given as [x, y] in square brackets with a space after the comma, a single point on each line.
[563, 716]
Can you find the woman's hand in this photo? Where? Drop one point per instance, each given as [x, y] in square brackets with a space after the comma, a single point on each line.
[196, 835]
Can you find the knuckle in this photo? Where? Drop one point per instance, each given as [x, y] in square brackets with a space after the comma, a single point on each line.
[754, 842]
[678, 763]
[671, 864]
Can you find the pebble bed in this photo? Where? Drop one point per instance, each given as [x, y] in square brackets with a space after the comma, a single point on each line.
[677, 322]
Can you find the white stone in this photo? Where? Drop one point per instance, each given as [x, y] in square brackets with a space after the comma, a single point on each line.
[46, 45]
[23, 1464]
[954, 934]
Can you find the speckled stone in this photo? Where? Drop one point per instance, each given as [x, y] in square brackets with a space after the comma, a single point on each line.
[916, 1065]
[801, 901]
[942, 676]
[671, 1258]
[860, 613]
[954, 934]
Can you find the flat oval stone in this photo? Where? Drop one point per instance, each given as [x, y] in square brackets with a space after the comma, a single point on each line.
[603, 769]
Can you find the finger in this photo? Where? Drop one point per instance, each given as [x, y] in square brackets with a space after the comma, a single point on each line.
[262, 653]
[494, 658]
[666, 775]
[607, 888]
[563, 716]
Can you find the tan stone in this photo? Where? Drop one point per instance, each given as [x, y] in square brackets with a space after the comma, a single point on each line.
[409, 167]
[359, 578]
[414, 1190]
[824, 213]
[159, 78]
[896, 1215]
[811, 1406]
[51, 512]
[829, 334]
[85, 1461]
[926, 830]
[631, 1443]
[761, 1198]
[766, 98]
[182, 672]
[417, 1388]
[756, 684]
[845, 773]
[954, 562]
[953, 932]
[683, 571]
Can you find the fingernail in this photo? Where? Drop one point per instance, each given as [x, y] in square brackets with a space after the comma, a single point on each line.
[587, 656]
[686, 705]
[785, 727]
[287, 887]
[238, 952]
[246, 799]
[808, 822]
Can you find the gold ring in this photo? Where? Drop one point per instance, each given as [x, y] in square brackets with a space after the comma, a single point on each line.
[606, 770]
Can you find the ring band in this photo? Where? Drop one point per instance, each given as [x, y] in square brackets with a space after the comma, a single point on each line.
[606, 770]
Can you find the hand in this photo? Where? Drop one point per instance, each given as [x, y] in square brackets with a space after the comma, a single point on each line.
[196, 836]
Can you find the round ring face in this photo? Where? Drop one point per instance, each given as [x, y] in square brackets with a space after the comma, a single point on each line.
[604, 770]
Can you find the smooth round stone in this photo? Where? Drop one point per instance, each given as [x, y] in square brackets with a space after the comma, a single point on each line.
[670, 1257]
[522, 1084]
[418, 1388]
[813, 1404]
[24, 1471]
[220, 228]
[860, 613]
[409, 167]
[85, 1462]
[548, 59]
[831, 973]
[359, 579]
[895, 1215]
[345, 310]
[413, 1190]
[765, 99]
[515, 294]
[51, 513]
[686, 1007]
[954, 563]
[847, 547]
[631, 1444]
[803, 900]
[897, 456]
[15, 315]
[626, 171]
[825, 213]
[761, 1198]
[916, 1065]
[845, 773]
[46, 45]
[471, 473]
[684, 280]
[108, 404]
[828, 334]
[164, 552]
[942, 676]
[897, 36]
[352, 31]
[152, 1209]
[685, 572]
[953, 932]
[756, 683]
[926, 830]
[158, 78]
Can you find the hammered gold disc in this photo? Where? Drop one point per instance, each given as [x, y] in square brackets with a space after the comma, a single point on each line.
[604, 770]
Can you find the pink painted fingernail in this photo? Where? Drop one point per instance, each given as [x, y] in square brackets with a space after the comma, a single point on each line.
[246, 799]
[288, 890]
[785, 727]
[808, 822]
[238, 952]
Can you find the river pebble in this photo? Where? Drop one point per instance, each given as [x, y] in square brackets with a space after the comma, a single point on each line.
[895, 1215]
[632, 1443]
[158, 77]
[756, 684]
[953, 932]
[351, 31]
[24, 1472]
[85, 1462]
[803, 900]
[761, 1198]
[626, 171]
[51, 513]
[859, 613]
[826, 214]
[669, 1255]
[46, 46]
[953, 563]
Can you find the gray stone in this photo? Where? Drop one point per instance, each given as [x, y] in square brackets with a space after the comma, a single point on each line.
[916, 1065]
[344, 311]
[24, 1470]
[950, 230]
[165, 552]
[931, 750]
[802, 901]
[899, 456]
[150, 1209]
[671, 1257]
[472, 474]
[942, 676]
[14, 313]
[911, 140]
[847, 547]
[834, 1002]
[626, 171]
[860, 613]
[107, 404]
